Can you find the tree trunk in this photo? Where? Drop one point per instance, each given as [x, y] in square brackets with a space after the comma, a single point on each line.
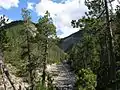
[30, 62]
[45, 59]
[111, 57]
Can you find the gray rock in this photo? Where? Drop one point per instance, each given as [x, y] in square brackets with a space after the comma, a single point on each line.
[64, 78]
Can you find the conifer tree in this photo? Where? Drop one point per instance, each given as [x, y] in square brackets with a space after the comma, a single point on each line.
[47, 31]
[27, 51]
[97, 21]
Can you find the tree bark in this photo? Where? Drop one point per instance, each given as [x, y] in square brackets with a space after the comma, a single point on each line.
[29, 60]
[45, 59]
[111, 57]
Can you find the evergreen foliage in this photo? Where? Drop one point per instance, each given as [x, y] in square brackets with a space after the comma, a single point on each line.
[95, 58]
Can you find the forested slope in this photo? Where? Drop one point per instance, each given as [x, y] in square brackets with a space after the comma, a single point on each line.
[68, 42]
[14, 46]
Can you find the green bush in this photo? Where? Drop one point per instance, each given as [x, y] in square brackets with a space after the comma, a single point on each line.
[86, 80]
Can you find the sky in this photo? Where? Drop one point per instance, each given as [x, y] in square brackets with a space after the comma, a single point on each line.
[61, 11]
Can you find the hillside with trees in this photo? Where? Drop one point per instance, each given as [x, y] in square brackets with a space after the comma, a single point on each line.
[32, 57]
[27, 47]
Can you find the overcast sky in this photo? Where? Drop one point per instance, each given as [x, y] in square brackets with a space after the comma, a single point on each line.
[62, 11]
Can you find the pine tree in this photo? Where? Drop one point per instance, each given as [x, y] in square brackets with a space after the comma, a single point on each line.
[97, 21]
[27, 49]
[111, 56]
[47, 30]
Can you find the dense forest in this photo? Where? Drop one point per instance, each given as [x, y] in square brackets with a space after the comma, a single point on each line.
[90, 56]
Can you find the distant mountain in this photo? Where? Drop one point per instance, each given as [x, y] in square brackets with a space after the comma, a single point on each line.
[68, 42]
[65, 43]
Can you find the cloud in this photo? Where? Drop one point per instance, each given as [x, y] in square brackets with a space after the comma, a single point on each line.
[62, 13]
[59, 32]
[30, 5]
[67, 31]
[115, 3]
[10, 20]
[7, 4]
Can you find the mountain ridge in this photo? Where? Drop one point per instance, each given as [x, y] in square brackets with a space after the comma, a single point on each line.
[67, 43]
